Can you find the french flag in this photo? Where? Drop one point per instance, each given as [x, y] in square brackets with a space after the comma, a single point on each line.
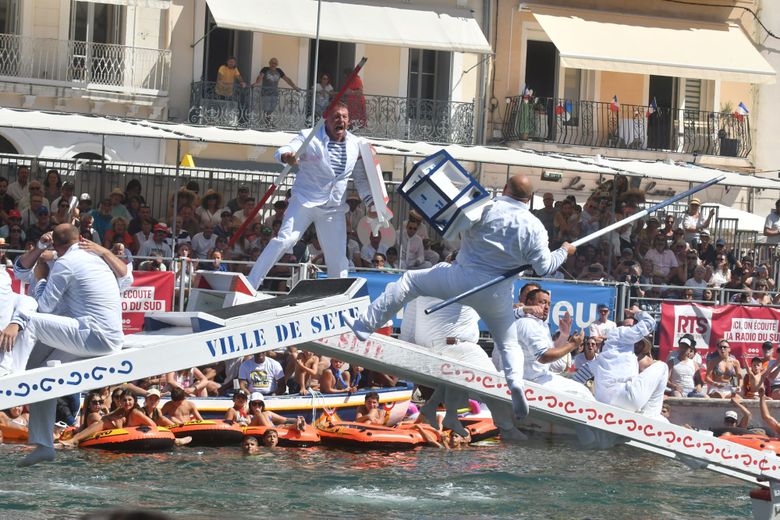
[564, 109]
[741, 111]
[652, 108]
[614, 106]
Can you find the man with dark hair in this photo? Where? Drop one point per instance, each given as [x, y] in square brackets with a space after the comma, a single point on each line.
[319, 194]
[507, 236]
[7, 202]
[79, 315]
[369, 412]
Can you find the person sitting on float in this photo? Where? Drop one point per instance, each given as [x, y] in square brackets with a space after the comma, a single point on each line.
[179, 409]
[262, 417]
[370, 412]
[238, 412]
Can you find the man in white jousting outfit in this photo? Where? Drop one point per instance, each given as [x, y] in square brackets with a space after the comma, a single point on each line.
[12, 305]
[319, 194]
[507, 236]
[539, 349]
[79, 315]
[618, 380]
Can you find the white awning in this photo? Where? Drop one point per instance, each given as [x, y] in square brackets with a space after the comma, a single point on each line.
[156, 4]
[79, 123]
[647, 45]
[398, 25]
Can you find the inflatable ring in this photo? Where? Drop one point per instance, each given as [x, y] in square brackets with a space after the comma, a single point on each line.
[369, 436]
[288, 436]
[210, 433]
[479, 428]
[13, 435]
[139, 439]
[757, 442]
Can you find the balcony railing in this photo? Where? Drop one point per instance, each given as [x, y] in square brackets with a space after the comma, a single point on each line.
[98, 66]
[386, 116]
[593, 123]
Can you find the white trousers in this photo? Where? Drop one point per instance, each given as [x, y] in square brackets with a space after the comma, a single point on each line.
[54, 337]
[331, 226]
[454, 397]
[494, 306]
[643, 393]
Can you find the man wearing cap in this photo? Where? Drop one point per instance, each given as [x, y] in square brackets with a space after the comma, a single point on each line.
[157, 246]
[42, 224]
[319, 194]
[85, 203]
[694, 221]
[602, 324]
[79, 315]
[616, 370]
[705, 249]
[13, 218]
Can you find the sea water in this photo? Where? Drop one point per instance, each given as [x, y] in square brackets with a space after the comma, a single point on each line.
[541, 478]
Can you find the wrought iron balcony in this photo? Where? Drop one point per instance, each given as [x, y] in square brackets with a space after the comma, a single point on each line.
[385, 116]
[593, 123]
[98, 66]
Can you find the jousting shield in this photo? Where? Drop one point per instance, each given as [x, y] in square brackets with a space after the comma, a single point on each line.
[443, 192]
[376, 183]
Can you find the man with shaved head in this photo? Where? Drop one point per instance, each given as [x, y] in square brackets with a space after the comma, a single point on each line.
[507, 236]
[79, 315]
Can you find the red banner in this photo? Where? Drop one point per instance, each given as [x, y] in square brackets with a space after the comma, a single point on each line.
[745, 328]
[151, 291]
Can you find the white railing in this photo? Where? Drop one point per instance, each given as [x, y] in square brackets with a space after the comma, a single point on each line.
[97, 66]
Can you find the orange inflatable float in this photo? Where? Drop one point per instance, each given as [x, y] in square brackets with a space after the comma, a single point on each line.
[13, 435]
[288, 436]
[369, 436]
[210, 433]
[758, 442]
[139, 439]
[479, 428]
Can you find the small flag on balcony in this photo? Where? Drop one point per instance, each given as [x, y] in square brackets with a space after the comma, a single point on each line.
[652, 108]
[741, 111]
[614, 106]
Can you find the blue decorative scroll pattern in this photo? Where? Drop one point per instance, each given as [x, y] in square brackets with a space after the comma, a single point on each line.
[48, 384]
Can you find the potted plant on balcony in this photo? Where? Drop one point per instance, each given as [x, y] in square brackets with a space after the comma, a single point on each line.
[525, 115]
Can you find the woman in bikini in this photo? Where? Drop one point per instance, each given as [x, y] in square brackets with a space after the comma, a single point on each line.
[722, 371]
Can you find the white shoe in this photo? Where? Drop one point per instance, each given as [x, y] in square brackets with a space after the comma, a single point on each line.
[358, 328]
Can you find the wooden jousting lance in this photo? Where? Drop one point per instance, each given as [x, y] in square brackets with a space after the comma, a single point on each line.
[577, 243]
[280, 178]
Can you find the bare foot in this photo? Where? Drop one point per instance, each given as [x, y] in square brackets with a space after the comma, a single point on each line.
[182, 441]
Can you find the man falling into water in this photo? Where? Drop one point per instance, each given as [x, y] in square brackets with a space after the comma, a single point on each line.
[506, 237]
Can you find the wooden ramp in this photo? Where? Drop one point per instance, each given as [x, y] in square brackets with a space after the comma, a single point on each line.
[178, 340]
[696, 449]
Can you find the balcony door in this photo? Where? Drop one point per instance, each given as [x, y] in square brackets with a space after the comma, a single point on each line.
[96, 34]
[9, 41]
[659, 125]
[428, 94]
[334, 58]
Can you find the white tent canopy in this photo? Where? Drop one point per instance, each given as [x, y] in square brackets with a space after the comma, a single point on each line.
[397, 25]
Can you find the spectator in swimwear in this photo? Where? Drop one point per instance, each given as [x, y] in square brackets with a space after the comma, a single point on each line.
[722, 370]
[238, 413]
[370, 412]
[270, 438]
[262, 417]
[152, 410]
[334, 380]
[128, 415]
[250, 445]
[179, 409]
[448, 439]
[15, 418]
[753, 379]
[305, 369]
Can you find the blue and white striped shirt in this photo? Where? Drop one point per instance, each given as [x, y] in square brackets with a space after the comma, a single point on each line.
[337, 156]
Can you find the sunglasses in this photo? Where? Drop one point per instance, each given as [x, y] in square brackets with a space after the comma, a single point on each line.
[96, 401]
[723, 347]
